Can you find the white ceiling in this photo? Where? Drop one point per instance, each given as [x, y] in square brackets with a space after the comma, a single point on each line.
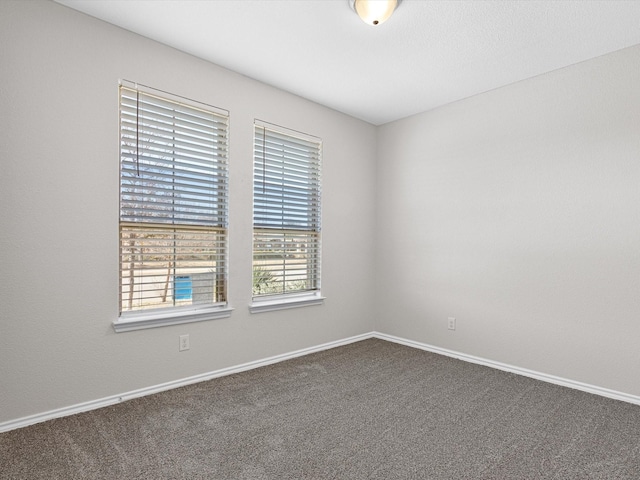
[427, 54]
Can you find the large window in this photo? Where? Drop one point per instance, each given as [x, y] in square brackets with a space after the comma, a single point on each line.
[173, 207]
[286, 217]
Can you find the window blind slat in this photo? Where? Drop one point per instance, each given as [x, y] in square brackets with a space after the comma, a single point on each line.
[155, 152]
[139, 119]
[272, 153]
[163, 107]
[173, 134]
[174, 170]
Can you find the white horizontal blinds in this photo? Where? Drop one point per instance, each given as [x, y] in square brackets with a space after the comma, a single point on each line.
[173, 162]
[286, 212]
[173, 202]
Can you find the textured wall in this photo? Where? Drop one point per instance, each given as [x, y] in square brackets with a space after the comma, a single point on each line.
[59, 215]
[518, 212]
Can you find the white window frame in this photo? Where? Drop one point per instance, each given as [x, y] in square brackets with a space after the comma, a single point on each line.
[193, 217]
[286, 219]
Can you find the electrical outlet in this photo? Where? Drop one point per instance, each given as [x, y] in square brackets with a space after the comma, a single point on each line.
[184, 343]
[451, 323]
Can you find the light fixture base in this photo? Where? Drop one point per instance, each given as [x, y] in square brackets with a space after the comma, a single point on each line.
[374, 12]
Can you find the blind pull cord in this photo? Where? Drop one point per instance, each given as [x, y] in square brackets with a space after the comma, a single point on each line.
[138, 133]
[264, 161]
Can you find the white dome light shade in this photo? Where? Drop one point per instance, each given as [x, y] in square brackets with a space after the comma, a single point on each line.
[374, 12]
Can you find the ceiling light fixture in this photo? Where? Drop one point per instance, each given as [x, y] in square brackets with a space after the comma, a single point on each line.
[374, 12]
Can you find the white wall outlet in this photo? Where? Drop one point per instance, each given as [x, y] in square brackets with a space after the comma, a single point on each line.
[451, 323]
[184, 343]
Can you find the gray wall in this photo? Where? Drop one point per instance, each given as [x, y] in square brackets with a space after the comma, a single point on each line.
[59, 215]
[518, 212]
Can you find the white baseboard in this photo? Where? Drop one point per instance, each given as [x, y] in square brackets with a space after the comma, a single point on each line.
[585, 387]
[114, 399]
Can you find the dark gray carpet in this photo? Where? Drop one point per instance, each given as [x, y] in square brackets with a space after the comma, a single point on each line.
[369, 410]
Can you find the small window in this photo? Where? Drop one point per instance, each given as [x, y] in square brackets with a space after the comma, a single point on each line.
[286, 217]
[173, 206]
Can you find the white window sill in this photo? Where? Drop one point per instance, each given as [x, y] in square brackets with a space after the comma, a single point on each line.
[141, 320]
[281, 303]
